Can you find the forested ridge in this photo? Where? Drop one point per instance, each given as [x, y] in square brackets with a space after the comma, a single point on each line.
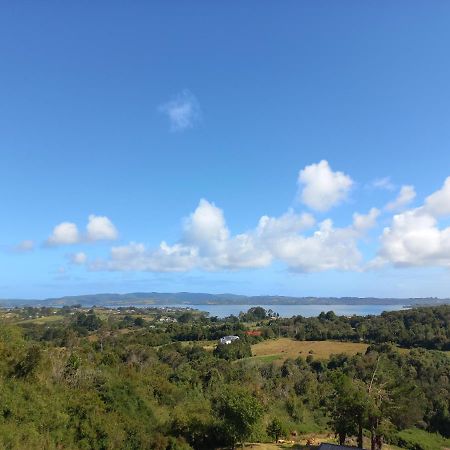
[136, 378]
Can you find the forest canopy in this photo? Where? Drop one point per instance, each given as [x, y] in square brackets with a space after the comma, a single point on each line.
[139, 378]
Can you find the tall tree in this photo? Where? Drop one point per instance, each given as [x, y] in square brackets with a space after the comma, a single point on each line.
[240, 412]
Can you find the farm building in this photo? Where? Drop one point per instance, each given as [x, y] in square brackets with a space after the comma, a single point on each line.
[253, 333]
[228, 339]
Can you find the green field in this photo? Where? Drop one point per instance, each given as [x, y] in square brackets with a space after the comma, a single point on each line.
[42, 320]
[284, 348]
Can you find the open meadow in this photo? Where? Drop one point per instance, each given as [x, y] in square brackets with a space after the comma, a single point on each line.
[284, 348]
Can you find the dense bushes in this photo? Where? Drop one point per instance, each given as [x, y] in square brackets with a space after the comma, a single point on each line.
[236, 350]
[135, 388]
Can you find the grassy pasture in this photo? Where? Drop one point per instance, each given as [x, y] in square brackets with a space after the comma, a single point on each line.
[43, 320]
[284, 348]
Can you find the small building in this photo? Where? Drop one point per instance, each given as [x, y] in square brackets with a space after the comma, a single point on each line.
[228, 339]
[253, 333]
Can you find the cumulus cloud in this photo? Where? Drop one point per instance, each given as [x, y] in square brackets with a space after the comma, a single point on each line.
[288, 223]
[206, 228]
[363, 222]
[321, 188]
[207, 244]
[406, 195]
[438, 203]
[63, 234]
[183, 111]
[328, 248]
[98, 228]
[137, 257]
[414, 237]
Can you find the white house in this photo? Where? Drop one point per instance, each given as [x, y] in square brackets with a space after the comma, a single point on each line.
[228, 339]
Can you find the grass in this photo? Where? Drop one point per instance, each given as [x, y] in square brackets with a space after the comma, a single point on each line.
[43, 320]
[284, 348]
[415, 438]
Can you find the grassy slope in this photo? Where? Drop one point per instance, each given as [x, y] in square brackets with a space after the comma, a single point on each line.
[429, 441]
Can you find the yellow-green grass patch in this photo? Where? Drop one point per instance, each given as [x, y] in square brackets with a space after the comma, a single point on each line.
[284, 348]
[43, 320]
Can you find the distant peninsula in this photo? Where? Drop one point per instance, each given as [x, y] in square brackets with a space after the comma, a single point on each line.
[194, 299]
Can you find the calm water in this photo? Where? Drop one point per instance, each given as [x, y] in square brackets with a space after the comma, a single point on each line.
[295, 310]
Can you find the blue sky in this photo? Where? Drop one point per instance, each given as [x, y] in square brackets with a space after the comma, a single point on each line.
[124, 116]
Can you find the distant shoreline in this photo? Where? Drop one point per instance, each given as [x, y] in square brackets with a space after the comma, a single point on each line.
[205, 299]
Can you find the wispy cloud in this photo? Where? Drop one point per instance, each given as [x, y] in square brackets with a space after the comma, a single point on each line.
[25, 246]
[406, 195]
[79, 258]
[384, 183]
[183, 111]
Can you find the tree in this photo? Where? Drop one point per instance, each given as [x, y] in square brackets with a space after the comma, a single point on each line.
[347, 405]
[275, 429]
[236, 350]
[186, 317]
[29, 363]
[240, 411]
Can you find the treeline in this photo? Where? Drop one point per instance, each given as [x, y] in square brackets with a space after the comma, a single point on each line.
[427, 327]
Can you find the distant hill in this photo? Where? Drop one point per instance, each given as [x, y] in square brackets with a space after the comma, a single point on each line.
[190, 298]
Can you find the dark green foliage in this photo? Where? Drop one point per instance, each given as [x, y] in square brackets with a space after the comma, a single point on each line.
[417, 327]
[347, 406]
[86, 383]
[236, 350]
[87, 322]
[275, 429]
[29, 363]
[254, 314]
[240, 412]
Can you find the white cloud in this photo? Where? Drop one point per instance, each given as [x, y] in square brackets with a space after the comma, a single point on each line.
[206, 228]
[363, 222]
[406, 195]
[383, 183]
[136, 257]
[63, 234]
[328, 248]
[321, 188]
[79, 258]
[183, 111]
[288, 223]
[100, 228]
[25, 246]
[438, 203]
[207, 244]
[414, 237]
